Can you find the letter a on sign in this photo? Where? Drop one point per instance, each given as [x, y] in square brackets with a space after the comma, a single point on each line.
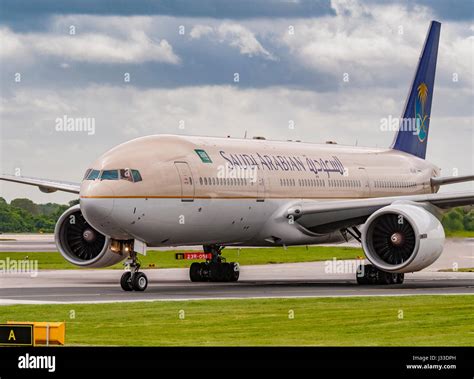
[11, 336]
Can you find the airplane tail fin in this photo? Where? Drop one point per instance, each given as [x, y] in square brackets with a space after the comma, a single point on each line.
[412, 135]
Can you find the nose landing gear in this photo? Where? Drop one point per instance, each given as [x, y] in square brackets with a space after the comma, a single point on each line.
[133, 280]
[216, 269]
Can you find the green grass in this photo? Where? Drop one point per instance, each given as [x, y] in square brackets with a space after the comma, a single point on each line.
[463, 269]
[249, 256]
[362, 321]
[459, 233]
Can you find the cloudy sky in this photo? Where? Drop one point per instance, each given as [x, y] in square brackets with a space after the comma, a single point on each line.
[143, 67]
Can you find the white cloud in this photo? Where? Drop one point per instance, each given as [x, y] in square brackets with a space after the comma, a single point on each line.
[199, 31]
[376, 43]
[242, 38]
[235, 35]
[93, 47]
[12, 45]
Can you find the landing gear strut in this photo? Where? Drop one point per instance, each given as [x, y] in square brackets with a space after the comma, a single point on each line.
[369, 274]
[215, 269]
[133, 280]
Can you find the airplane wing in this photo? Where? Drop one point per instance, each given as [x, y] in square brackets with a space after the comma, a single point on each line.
[323, 216]
[44, 185]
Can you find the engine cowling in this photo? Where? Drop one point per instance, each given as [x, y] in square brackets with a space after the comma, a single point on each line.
[80, 244]
[402, 237]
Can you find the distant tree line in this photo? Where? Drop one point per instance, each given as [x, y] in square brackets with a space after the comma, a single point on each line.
[24, 216]
[458, 219]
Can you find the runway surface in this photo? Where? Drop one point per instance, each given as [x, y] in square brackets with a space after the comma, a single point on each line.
[266, 281]
[314, 279]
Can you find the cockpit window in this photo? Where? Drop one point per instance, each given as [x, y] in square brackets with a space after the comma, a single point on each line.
[87, 174]
[126, 174]
[123, 174]
[93, 174]
[109, 175]
[136, 176]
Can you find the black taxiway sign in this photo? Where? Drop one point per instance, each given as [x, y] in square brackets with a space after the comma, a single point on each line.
[16, 335]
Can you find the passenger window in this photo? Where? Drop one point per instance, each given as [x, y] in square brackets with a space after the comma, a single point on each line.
[109, 175]
[94, 174]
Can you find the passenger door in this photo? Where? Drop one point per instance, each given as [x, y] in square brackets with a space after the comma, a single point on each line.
[260, 188]
[365, 180]
[186, 180]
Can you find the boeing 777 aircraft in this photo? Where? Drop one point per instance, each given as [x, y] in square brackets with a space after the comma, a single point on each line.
[169, 190]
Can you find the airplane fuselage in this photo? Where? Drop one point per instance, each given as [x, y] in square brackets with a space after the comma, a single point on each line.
[202, 190]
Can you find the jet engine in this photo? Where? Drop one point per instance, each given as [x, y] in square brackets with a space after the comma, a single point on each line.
[402, 237]
[82, 245]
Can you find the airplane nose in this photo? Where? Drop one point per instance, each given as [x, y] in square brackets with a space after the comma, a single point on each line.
[97, 201]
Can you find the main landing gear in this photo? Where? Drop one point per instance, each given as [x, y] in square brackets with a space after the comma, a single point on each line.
[369, 274]
[133, 280]
[216, 269]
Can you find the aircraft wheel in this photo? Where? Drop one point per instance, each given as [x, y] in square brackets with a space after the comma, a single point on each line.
[195, 272]
[361, 275]
[139, 281]
[126, 281]
[234, 269]
[217, 272]
[393, 278]
[400, 279]
[373, 275]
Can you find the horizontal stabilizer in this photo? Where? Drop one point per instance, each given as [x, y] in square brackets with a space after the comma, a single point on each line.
[451, 180]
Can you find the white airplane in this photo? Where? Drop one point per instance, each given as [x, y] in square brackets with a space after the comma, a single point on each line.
[170, 190]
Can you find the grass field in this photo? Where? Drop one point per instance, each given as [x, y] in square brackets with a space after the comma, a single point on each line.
[460, 234]
[166, 259]
[363, 321]
[462, 269]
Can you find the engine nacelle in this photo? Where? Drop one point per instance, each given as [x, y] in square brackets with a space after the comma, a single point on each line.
[82, 245]
[402, 237]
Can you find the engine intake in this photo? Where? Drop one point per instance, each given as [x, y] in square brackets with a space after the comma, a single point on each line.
[402, 237]
[80, 244]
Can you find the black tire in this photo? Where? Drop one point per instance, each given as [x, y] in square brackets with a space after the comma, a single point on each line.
[195, 272]
[393, 278]
[361, 275]
[139, 281]
[400, 278]
[204, 274]
[226, 272]
[384, 277]
[234, 269]
[126, 281]
[216, 272]
[372, 274]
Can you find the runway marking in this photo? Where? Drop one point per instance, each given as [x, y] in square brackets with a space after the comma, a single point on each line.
[6, 302]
